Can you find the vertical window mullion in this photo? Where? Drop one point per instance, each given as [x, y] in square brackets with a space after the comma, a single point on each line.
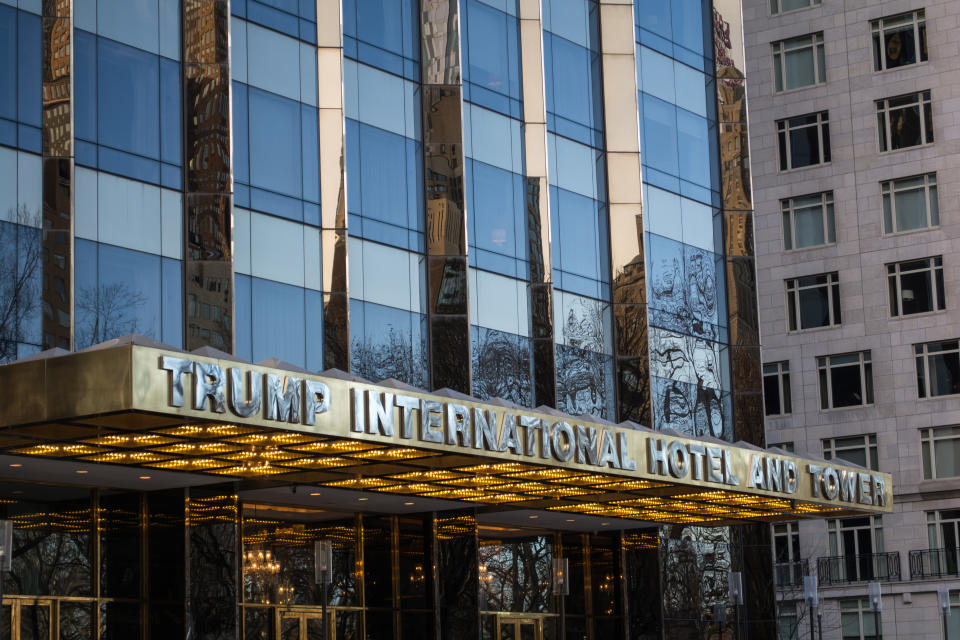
[786, 135]
[821, 155]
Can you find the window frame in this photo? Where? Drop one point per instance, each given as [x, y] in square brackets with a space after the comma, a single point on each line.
[923, 100]
[935, 521]
[824, 368]
[784, 129]
[918, 20]
[788, 208]
[888, 193]
[922, 352]
[781, 47]
[782, 375]
[793, 291]
[860, 606]
[928, 449]
[868, 444]
[779, 10]
[895, 274]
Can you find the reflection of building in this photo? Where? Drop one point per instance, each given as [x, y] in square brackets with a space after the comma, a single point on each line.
[454, 212]
[858, 131]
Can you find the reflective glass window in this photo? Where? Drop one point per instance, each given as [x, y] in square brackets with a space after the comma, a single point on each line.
[172, 309]
[85, 85]
[28, 64]
[582, 266]
[383, 33]
[496, 202]
[491, 59]
[584, 368]
[278, 328]
[132, 22]
[118, 291]
[501, 366]
[660, 135]
[128, 98]
[8, 62]
[274, 134]
[573, 107]
[388, 343]
[20, 287]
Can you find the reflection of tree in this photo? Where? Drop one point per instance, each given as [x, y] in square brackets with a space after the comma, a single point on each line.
[52, 550]
[106, 312]
[396, 357]
[516, 575]
[20, 268]
[582, 367]
[696, 563]
[501, 366]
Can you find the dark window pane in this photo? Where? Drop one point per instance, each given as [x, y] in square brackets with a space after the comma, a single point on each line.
[771, 395]
[944, 374]
[905, 127]
[30, 76]
[278, 335]
[85, 85]
[900, 48]
[787, 404]
[128, 98]
[916, 290]
[492, 49]
[846, 387]
[814, 308]
[804, 147]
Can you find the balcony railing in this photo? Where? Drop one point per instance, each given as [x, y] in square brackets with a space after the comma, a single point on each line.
[790, 574]
[934, 563]
[859, 568]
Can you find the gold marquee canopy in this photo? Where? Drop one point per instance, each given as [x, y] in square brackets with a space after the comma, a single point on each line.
[135, 402]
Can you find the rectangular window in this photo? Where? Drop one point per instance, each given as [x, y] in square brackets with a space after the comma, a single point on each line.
[813, 301]
[776, 389]
[808, 221]
[940, 450]
[858, 621]
[846, 380]
[938, 368]
[799, 62]
[861, 450]
[910, 203]
[804, 141]
[904, 121]
[943, 542]
[784, 6]
[786, 446]
[788, 567]
[854, 547]
[916, 286]
[899, 40]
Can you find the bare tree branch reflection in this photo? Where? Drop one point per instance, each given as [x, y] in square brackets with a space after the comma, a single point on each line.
[395, 357]
[501, 366]
[20, 280]
[106, 312]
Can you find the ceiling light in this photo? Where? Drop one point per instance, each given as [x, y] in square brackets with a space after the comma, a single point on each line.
[604, 524]
[16, 464]
[363, 499]
[144, 477]
[534, 517]
[570, 520]
[81, 471]
[408, 504]
[315, 493]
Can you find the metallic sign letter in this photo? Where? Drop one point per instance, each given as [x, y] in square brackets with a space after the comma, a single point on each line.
[407, 405]
[317, 400]
[431, 421]
[848, 485]
[879, 492]
[697, 452]
[208, 382]
[586, 445]
[177, 367]
[283, 398]
[485, 430]
[774, 474]
[678, 459]
[791, 476]
[865, 497]
[728, 477]
[458, 425]
[713, 464]
[381, 413]
[626, 462]
[816, 471]
[657, 455]
[608, 451]
[831, 483]
[756, 473]
[240, 406]
[509, 436]
[563, 447]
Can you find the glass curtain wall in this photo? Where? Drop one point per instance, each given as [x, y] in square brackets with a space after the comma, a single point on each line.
[128, 176]
[385, 190]
[578, 208]
[276, 182]
[496, 201]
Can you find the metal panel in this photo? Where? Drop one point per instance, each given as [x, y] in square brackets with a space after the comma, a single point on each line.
[208, 179]
[58, 162]
[445, 206]
[624, 189]
[538, 204]
[333, 186]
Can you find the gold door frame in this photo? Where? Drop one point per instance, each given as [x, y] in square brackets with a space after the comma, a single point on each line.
[516, 619]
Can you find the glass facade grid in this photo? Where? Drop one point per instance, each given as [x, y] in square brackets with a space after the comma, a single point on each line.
[20, 78]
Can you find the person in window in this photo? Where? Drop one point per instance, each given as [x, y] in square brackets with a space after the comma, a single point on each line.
[906, 128]
[894, 50]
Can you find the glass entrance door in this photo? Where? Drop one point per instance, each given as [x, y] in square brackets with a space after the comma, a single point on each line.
[518, 628]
